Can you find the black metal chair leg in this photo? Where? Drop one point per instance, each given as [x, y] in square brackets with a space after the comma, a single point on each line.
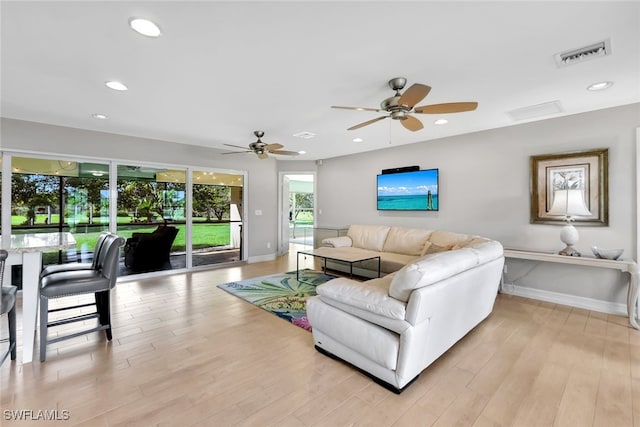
[12, 332]
[104, 310]
[44, 318]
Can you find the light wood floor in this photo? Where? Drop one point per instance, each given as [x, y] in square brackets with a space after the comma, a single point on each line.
[187, 353]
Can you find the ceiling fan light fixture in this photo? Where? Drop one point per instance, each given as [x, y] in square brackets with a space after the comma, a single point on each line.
[441, 122]
[145, 27]
[116, 85]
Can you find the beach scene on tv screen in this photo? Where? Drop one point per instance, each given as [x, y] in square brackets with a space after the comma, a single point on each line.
[409, 191]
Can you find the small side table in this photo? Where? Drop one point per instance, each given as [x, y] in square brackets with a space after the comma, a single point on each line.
[626, 266]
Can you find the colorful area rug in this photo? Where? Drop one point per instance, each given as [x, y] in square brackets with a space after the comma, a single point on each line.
[281, 294]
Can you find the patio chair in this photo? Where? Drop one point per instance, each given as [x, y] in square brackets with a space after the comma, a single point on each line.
[150, 251]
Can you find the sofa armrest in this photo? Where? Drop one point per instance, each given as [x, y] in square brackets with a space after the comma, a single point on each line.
[338, 242]
[371, 295]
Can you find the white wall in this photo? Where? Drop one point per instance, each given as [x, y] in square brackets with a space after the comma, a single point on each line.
[484, 189]
[262, 174]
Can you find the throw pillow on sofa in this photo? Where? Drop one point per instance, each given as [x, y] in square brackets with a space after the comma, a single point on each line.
[338, 242]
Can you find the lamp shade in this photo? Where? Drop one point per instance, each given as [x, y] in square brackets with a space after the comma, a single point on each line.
[569, 203]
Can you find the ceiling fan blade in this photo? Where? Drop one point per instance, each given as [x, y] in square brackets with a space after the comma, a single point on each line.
[411, 123]
[274, 146]
[368, 122]
[414, 94]
[357, 108]
[262, 155]
[238, 152]
[284, 152]
[236, 146]
[450, 107]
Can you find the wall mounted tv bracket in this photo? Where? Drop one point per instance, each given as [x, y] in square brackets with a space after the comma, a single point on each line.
[400, 170]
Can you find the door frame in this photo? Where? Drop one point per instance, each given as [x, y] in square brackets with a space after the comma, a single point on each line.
[282, 248]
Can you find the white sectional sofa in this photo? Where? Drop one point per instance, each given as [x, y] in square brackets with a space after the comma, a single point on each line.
[396, 246]
[393, 327]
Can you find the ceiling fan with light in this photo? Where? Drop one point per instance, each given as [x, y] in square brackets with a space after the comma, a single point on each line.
[402, 105]
[262, 149]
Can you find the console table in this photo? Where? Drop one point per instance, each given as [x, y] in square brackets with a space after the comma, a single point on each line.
[626, 266]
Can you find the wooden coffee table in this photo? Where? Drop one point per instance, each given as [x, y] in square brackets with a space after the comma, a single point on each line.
[329, 254]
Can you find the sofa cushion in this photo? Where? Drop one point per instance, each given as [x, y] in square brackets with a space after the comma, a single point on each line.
[430, 269]
[432, 248]
[372, 296]
[370, 237]
[390, 262]
[407, 241]
[448, 239]
[338, 242]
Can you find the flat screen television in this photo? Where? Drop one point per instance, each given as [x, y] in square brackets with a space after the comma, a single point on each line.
[408, 191]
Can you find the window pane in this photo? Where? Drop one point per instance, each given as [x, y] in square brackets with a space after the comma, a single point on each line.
[58, 195]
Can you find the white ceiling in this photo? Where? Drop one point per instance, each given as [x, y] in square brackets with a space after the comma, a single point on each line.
[221, 70]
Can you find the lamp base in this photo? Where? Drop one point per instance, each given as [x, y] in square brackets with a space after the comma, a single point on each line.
[569, 251]
[569, 236]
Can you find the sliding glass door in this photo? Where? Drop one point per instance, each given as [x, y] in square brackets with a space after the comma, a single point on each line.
[151, 216]
[217, 217]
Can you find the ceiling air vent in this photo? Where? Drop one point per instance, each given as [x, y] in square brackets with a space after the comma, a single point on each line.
[536, 111]
[574, 56]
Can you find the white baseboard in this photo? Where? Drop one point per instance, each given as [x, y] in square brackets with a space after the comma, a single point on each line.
[566, 299]
[261, 258]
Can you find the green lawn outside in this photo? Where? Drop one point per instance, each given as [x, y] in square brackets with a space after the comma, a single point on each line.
[204, 236]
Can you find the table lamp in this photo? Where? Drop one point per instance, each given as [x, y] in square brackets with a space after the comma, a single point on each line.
[569, 203]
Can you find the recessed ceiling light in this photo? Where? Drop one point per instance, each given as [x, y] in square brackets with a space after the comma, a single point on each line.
[599, 86]
[144, 27]
[100, 116]
[116, 85]
[441, 122]
[302, 152]
[357, 140]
